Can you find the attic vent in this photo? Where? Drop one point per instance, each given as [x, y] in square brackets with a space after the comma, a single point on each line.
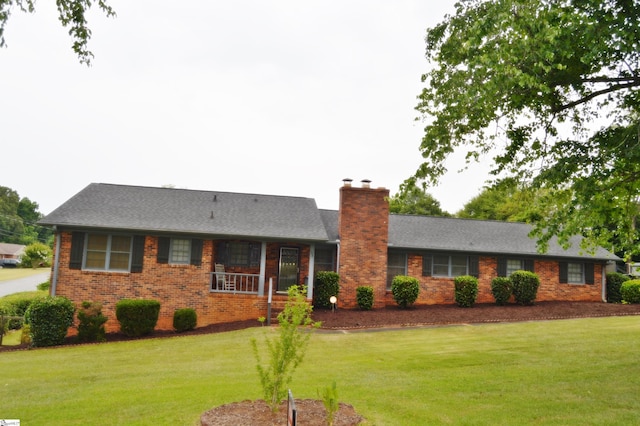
[211, 217]
[215, 198]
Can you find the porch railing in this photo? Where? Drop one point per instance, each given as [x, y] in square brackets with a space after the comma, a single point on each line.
[229, 282]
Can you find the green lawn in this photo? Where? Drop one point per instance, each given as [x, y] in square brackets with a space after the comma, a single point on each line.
[565, 372]
[7, 274]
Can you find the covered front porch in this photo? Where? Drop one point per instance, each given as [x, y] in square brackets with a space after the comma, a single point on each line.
[255, 267]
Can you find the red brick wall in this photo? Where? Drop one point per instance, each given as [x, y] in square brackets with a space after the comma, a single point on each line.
[174, 286]
[438, 290]
[363, 225]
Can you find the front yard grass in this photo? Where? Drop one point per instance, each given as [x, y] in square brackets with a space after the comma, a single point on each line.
[7, 274]
[562, 372]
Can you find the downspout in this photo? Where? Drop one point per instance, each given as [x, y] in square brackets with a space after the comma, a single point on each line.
[263, 268]
[56, 263]
[312, 261]
[338, 257]
[603, 278]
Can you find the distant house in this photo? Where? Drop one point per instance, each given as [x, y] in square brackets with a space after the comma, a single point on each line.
[10, 254]
[220, 253]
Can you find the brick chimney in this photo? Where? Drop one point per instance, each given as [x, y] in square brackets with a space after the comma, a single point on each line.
[363, 224]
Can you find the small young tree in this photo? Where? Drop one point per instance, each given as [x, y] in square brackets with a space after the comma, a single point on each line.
[287, 350]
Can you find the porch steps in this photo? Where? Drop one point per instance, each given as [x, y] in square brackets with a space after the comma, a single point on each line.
[277, 306]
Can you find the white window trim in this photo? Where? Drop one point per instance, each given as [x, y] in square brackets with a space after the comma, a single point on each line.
[449, 266]
[171, 247]
[107, 260]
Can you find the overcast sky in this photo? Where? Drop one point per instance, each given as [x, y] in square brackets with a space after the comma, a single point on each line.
[268, 97]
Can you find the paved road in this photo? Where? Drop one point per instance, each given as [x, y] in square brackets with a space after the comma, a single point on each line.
[23, 284]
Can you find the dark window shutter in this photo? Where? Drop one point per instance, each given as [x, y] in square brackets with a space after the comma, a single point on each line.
[527, 264]
[137, 253]
[196, 252]
[502, 266]
[221, 252]
[426, 265]
[163, 249]
[474, 266]
[589, 276]
[77, 250]
[254, 255]
[564, 272]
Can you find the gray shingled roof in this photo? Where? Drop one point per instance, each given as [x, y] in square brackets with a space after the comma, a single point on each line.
[139, 208]
[479, 236]
[136, 208]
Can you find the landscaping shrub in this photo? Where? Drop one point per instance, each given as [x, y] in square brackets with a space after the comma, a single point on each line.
[524, 285]
[466, 290]
[327, 285]
[405, 290]
[614, 282]
[25, 337]
[185, 319]
[501, 290]
[44, 286]
[91, 323]
[16, 305]
[364, 297]
[49, 319]
[630, 291]
[137, 317]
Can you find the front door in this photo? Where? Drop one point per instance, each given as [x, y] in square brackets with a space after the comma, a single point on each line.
[288, 272]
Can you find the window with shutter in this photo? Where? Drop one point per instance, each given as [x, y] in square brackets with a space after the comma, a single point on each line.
[196, 252]
[137, 254]
[164, 244]
[77, 250]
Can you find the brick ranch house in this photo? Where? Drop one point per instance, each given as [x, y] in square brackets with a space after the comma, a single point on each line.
[220, 253]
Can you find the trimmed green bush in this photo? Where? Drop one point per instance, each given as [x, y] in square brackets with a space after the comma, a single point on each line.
[525, 285]
[91, 323]
[405, 290]
[16, 305]
[501, 290]
[630, 291]
[614, 282]
[466, 290]
[327, 285]
[49, 319]
[364, 297]
[137, 317]
[185, 319]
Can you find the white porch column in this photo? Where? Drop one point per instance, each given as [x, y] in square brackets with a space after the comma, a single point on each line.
[263, 268]
[312, 261]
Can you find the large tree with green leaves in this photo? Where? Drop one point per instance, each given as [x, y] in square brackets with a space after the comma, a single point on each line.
[18, 217]
[415, 200]
[550, 89]
[72, 15]
[506, 200]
